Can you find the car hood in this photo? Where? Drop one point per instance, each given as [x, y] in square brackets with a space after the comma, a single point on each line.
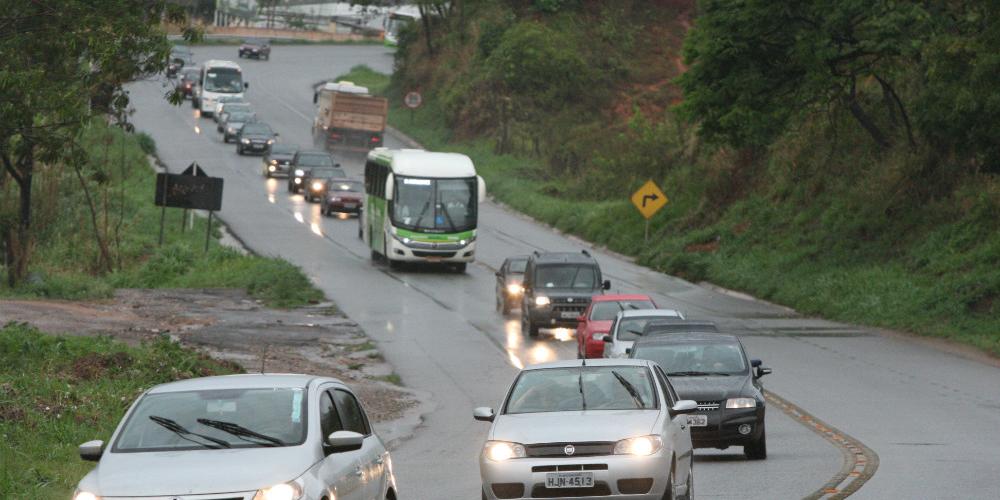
[574, 426]
[574, 293]
[711, 388]
[282, 158]
[256, 137]
[194, 472]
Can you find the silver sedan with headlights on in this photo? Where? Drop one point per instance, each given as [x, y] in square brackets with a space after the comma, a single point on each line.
[588, 429]
[246, 437]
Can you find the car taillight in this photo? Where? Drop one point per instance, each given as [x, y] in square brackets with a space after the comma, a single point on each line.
[374, 138]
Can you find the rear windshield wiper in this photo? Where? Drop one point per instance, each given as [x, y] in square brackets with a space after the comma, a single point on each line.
[178, 429]
[241, 432]
[636, 397]
[696, 374]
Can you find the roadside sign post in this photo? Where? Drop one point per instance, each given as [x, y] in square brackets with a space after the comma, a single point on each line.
[191, 189]
[648, 200]
[413, 100]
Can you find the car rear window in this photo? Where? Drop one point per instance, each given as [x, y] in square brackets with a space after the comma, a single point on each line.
[518, 265]
[315, 160]
[716, 358]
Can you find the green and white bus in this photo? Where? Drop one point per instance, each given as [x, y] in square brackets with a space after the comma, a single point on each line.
[421, 206]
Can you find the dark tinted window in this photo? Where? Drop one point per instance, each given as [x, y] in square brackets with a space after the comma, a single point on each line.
[352, 415]
[518, 265]
[315, 160]
[240, 117]
[566, 276]
[329, 419]
[283, 149]
[257, 128]
[328, 173]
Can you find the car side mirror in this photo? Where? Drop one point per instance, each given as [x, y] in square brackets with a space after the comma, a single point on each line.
[315, 97]
[497, 274]
[92, 450]
[341, 441]
[607, 339]
[628, 350]
[684, 406]
[606, 285]
[755, 363]
[483, 414]
[246, 85]
[761, 371]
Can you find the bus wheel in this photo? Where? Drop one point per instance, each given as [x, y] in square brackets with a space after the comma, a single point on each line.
[395, 265]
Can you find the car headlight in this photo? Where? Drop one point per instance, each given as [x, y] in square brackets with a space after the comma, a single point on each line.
[298, 181]
[499, 451]
[317, 186]
[335, 198]
[741, 403]
[270, 141]
[542, 301]
[514, 289]
[271, 168]
[274, 162]
[641, 446]
[283, 491]
[299, 172]
[231, 130]
[246, 141]
[85, 495]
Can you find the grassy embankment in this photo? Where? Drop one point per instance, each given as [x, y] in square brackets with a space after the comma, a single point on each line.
[57, 392]
[809, 227]
[66, 263]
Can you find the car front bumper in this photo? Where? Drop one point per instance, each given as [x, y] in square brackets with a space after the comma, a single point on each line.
[723, 427]
[399, 251]
[555, 315]
[278, 169]
[613, 474]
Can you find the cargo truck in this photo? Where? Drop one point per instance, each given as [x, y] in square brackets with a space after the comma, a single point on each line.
[346, 114]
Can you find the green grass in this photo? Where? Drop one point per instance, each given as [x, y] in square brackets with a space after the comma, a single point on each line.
[931, 268]
[64, 264]
[57, 392]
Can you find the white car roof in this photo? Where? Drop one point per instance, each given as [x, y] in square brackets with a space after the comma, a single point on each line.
[248, 381]
[217, 63]
[420, 163]
[346, 87]
[646, 313]
[572, 363]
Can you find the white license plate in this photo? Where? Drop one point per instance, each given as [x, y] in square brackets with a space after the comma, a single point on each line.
[698, 420]
[569, 480]
[570, 315]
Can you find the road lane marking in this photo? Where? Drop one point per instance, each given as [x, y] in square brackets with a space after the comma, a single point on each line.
[859, 461]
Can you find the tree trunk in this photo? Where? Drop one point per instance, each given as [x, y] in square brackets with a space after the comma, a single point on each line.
[427, 29]
[105, 262]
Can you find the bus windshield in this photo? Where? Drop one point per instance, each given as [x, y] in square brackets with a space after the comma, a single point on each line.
[435, 205]
[223, 80]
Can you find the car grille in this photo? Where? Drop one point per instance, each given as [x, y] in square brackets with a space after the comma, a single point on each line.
[568, 467]
[708, 405]
[559, 449]
[600, 489]
[576, 309]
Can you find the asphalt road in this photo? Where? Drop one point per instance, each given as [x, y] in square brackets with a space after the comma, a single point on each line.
[931, 417]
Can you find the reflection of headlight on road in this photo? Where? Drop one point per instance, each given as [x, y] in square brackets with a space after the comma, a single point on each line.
[741, 403]
[514, 289]
[499, 451]
[317, 186]
[298, 181]
[642, 446]
[542, 301]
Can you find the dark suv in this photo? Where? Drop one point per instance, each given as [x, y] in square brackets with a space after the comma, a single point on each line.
[557, 289]
[255, 48]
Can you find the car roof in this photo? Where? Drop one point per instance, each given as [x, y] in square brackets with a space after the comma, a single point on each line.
[687, 338]
[615, 298]
[651, 313]
[313, 152]
[571, 363]
[247, 381]
[517, 257]
[563, 258]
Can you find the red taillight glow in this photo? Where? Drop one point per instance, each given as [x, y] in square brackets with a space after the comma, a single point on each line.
[375, 139]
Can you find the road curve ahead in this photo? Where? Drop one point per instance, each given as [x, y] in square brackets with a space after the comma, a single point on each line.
[932, 418]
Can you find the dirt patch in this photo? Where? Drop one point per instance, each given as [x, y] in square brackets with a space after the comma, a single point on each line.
[708, 247]
[228, 325]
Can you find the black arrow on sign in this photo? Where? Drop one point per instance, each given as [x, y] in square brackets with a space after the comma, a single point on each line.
[650, 197]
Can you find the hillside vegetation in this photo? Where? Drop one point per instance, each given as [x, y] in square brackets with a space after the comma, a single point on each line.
[837, 157]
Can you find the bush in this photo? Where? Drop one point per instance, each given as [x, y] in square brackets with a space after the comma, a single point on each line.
[146, 143]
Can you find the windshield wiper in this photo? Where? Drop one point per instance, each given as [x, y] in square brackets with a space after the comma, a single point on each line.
[583, 397]
[636, 332]
[423, 211]
[636, 397]
[696, 374]
[240, 431]
[178, 429]
[447, 216]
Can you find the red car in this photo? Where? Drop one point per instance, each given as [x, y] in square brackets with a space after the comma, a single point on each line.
[342, 196]
[596, 321]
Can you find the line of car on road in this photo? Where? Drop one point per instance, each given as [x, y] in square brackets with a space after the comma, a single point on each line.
[649, 386]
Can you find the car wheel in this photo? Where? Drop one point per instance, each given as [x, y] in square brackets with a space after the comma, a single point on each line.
[460, 267]
[689, 485]
[757, 450]
[239, 150]
[528, 327]
[668, 494]
[505, 307]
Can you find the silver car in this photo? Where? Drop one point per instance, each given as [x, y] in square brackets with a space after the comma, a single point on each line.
[245, 437]
[628, 326]
[588, 428]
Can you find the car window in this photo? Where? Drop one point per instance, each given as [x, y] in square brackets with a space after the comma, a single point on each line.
[668, 388]
[603, 388]
[606, 311]
[353, 416]
[329, 418]
[283, 149]
[518, 265]
[631, 328]
[725, 358]
[257, 129]
[566, 276]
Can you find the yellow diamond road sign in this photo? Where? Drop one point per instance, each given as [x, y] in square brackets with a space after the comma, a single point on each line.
[649, 199]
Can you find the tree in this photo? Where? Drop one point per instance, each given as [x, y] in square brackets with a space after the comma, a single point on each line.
[756, 64]
[58, 55]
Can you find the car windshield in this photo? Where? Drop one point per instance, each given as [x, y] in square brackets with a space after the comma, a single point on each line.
[435, 205]
[224, 80]
[631, 328]
[581, 276]
[257, 129]
[517, 266]
[582, 388]
[347, 187]
[689, 358]
[606, 311]
[314, 160]
[283, 149]
[177, 420]
[327, 173]
[239, 117]
[191, 74]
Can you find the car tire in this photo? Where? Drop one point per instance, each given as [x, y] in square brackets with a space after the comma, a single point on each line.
[505, 307]
[757, 450]
[528, 327]
[461, 267]
[239, 150]
[668, 493]
[689, 485]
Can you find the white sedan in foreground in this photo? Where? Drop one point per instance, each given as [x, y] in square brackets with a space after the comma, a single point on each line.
[589, 428]
[242, 437]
